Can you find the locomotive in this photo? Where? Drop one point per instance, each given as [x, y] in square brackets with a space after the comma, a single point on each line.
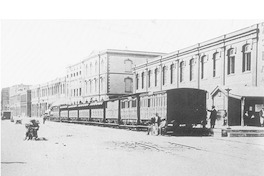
[179, 107]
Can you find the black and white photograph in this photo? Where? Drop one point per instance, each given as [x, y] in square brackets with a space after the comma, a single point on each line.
[132, 96]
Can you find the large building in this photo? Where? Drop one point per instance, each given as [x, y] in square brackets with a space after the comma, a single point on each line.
[19, 97]
[229, 67]
[5, 99]
[44, 96]
[104, 75]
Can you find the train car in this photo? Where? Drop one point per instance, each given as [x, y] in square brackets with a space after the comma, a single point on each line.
[84, 112]
[129, 110]
[54, 114]
[97, 111]
[182, 106]
[112, 111]
[63, 113]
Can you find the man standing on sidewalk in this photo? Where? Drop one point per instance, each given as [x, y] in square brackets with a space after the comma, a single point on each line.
[212, 116]
[261, 117]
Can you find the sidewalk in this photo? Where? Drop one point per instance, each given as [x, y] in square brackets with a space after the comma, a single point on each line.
[238, 131]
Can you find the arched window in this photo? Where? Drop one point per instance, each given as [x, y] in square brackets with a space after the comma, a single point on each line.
[95, 84]
[215, 58]
[95, 67]
[91, 66]
[172, 73]
[91, 84]
[156, 76]
[203, 58]
[149, 78]
[101, 84]
[137, 81]
[230, 61]
[182, 65]
[246, 65]
[143, 79]
[128, 85]
[164, 74]
[191, 69]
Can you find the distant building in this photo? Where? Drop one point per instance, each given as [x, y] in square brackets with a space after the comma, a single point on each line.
[5, 99]
[17, 99]
[44, 96]
[224, 66]
[104, 75]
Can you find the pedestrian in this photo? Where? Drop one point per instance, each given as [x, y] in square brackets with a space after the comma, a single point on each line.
[246, 119]
[44, 119]
[157, 123]
[212, 116]
[261, 117]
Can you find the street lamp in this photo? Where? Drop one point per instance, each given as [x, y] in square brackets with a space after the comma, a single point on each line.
[227, 109]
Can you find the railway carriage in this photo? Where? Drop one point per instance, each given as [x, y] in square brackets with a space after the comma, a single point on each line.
[97, 111]
[84, 112]
[129, 110]
[63, 113]
[181, 106]
[112, 110]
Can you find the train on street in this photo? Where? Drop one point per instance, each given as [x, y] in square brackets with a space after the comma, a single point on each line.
[180, 107]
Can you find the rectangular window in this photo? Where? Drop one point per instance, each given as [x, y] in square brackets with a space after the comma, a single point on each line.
[80, 91]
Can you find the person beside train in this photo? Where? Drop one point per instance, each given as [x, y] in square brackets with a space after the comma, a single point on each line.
[261, 117]
[154, 127]
[151, 125]
[213, 116]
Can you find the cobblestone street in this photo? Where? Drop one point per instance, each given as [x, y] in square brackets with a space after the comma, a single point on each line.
[68, 149]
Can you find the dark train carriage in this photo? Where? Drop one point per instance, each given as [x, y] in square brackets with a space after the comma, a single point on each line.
[183, 106]
[186, 106]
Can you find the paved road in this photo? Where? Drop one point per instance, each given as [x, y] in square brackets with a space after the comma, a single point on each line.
[70, 149]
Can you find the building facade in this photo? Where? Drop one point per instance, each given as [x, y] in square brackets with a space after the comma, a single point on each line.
[46, 95]
[18, 98]
[5, 99]
[231, 61]
[104, 75]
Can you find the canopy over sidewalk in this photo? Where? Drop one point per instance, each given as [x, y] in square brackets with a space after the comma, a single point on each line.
[239, 92]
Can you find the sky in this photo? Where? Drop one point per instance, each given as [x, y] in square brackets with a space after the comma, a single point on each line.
[37, 51]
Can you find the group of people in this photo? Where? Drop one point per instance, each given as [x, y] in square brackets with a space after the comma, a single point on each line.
[156, 125]
[249, 120]
[252, 120]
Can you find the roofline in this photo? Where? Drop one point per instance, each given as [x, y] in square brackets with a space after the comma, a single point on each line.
[206, 42]
[149, 53]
